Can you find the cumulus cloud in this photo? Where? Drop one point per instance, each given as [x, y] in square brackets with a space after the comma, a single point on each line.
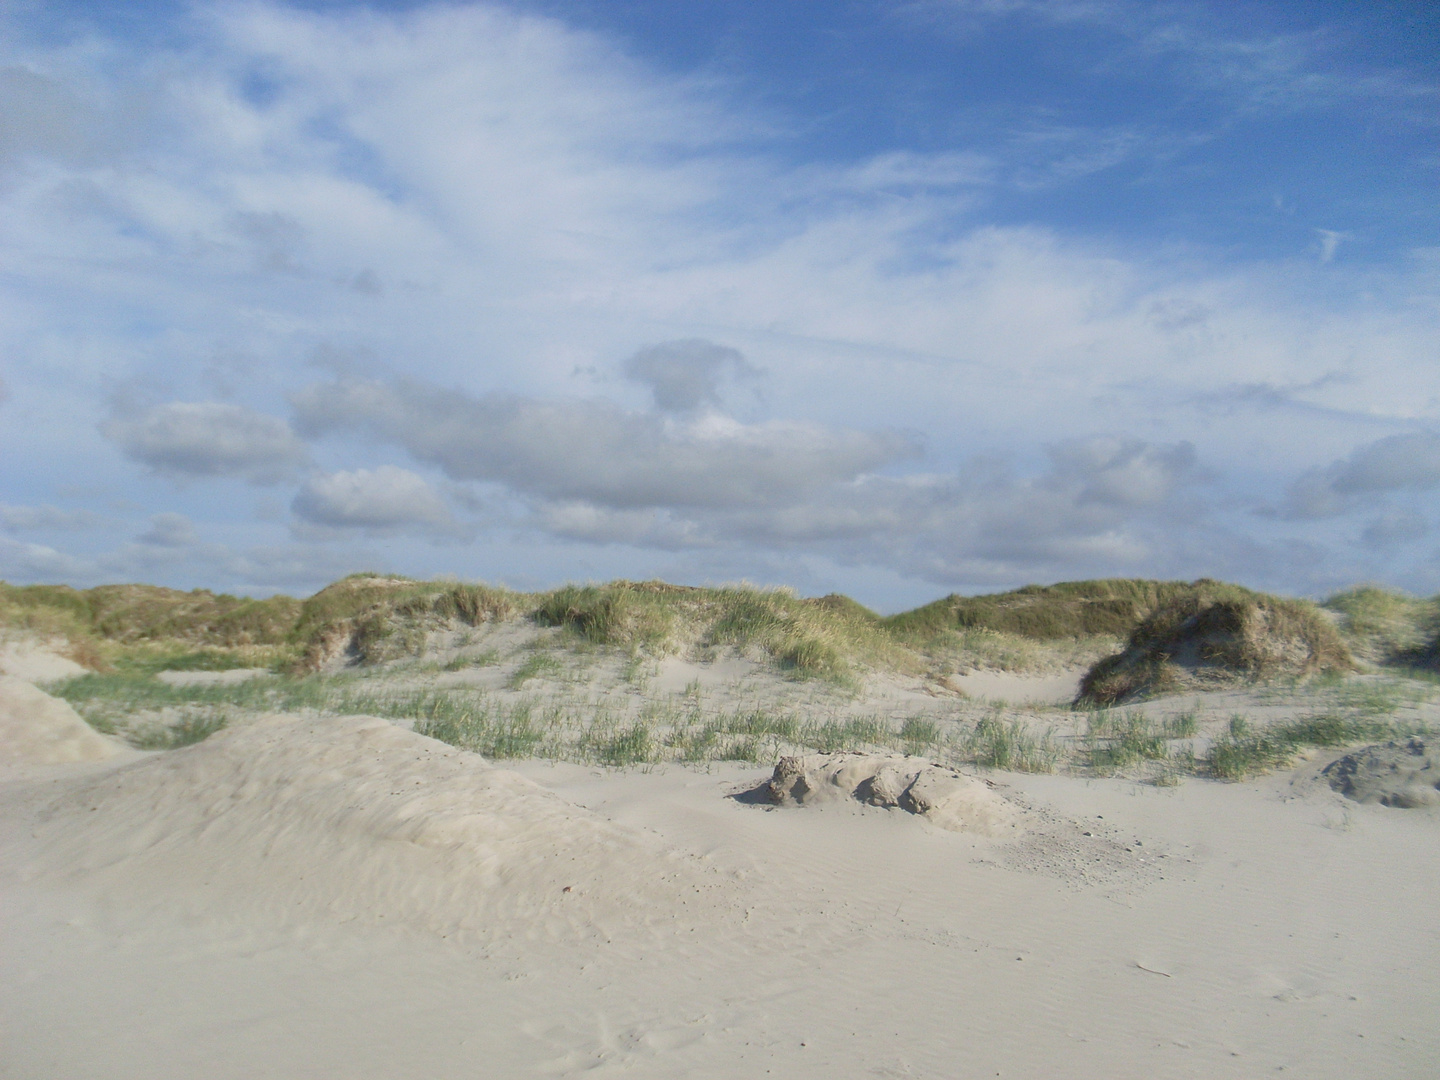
[1120, 472]
[1393, 464]
[387, 499]
[593, 472]
[685, 375]
[593, 450]
[208, 439]
[1105, 505]
[1401, 462]
[24, 562]
[169, 530]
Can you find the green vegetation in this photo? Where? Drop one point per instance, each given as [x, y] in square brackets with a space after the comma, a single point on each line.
[537, 665]
[1180, 636]
[482, 727]
[996, 743]
[1244, 749]
[1123, 740]
[633, 745]
[1172, 628]
[373, 618]
[1072, 609]
[1183, 725]
[631, 615]
[820, 638]
[488, 658]
[151, 627]
[919, 735]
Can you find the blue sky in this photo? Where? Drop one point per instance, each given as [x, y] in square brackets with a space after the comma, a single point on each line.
[892, 299]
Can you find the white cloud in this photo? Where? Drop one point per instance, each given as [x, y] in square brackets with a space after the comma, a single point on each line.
[386, 499]
[594, 450]
[22, 562]
[208, 439]
[685, 375]
[1330, 241]
[169, 530]
[1396, 463]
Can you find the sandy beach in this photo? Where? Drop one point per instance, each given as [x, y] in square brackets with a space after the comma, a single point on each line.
[319, 897]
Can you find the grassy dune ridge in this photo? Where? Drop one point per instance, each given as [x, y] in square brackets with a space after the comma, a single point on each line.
[386, 646]
[1132, 627]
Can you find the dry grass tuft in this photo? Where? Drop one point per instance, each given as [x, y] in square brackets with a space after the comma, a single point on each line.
[1387, 627]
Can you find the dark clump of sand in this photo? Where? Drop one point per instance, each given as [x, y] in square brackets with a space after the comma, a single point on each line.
[1402, 774]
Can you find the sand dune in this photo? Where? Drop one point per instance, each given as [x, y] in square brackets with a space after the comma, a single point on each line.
[38, 729]
[35, 661]
[336, 896]
[353, 818]
[313, 898]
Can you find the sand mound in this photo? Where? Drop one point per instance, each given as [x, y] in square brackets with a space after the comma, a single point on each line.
[35, 662]
[941, 795]
[1213, 637]
[364, 820]
[1403, 774]
[37, 729]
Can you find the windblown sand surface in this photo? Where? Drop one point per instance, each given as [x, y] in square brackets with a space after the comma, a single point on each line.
[339, 897]
[37, 729]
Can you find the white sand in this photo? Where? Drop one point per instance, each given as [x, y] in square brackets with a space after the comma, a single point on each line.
[1057, 688]
[211, 678]
[37, 729]
[35, 661]
[341, 898]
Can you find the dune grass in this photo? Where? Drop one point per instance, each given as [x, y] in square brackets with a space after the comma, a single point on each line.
[997, 743]
[154, 715]
[138, 625]
[1245, 750]
[1068, 610]
[1217, 632]
[377, 618]
[1117, 740]
[1388, 627]
[537, 665]
[494, 732]
[822, 638]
